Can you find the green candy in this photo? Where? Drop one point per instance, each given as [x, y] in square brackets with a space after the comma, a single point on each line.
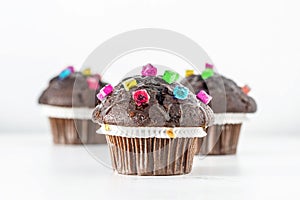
[207, 73]
[170, 76]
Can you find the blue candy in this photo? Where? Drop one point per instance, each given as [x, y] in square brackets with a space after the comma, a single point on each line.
[64, 74]
[180, 92]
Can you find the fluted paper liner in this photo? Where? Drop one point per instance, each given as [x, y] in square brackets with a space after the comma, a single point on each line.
[67, 112]
[75, 131]
[151, 132]
[72, 125]
[220, 140]
[230, 118]
[151, 156]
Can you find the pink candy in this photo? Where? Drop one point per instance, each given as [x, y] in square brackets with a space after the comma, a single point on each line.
[209, 66]
[204, 97]
[149, 70]
[106, 90]
[93, 83]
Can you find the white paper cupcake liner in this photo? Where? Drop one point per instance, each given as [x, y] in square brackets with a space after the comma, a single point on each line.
[67, 112]
[230, 118]
[151, 132]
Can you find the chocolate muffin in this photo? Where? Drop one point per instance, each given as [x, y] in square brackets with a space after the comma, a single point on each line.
[151, 124]
[230, 104]
[68, 101]
[222, 89]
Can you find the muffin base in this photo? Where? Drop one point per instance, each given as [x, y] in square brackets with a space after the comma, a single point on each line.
[75, 131]
[220, 140]
[151, 156]
[198, 145]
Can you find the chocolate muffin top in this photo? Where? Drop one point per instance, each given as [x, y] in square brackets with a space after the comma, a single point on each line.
[227, 95]
[73, 90]
[151, 103]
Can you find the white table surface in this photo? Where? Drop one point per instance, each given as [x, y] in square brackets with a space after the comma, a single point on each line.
[266, 166]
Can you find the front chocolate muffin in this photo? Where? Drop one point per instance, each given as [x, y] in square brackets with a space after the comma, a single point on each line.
[151, 123]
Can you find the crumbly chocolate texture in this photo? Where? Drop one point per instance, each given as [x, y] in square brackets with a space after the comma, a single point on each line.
[227, 95]
[71, 91]
[163, 109]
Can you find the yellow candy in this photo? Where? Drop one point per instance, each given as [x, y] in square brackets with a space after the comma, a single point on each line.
[170, 133]
[129, 83]
[87, 72]
[107, 127]
[189, 72]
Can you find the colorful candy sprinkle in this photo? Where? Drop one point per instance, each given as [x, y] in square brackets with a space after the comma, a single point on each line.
[141, 97]
[189, 72]
[209, 66]
[97, 76]
[207, 73]
[93, 83]
[180, 92]
[66, 72]
[246, 89]
[170, 76]
[149, 70]
[204, 97]
[106, 90]
[107, 127]
[170, 133]
[71, 68]
[87, 72]
[129, 83]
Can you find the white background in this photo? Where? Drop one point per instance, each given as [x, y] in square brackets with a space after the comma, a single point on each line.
[255, 42]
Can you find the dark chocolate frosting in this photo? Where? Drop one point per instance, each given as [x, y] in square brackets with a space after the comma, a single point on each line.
[162, 110]
[71, 91]
[227, 95]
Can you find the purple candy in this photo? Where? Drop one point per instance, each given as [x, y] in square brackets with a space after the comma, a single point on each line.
[106, 90]
[149, 70]
[204, 97]
[71, 68]
[209, 66]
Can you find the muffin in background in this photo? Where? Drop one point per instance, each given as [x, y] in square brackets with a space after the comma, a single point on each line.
[151, 124]
[230, 104]
[68, 101]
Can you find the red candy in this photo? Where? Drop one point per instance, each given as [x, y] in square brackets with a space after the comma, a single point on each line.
[141, 97]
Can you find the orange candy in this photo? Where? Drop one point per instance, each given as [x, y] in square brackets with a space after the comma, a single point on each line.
[170, 133]
[246, 89]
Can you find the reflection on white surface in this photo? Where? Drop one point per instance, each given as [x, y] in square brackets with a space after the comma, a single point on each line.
[32, 167]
